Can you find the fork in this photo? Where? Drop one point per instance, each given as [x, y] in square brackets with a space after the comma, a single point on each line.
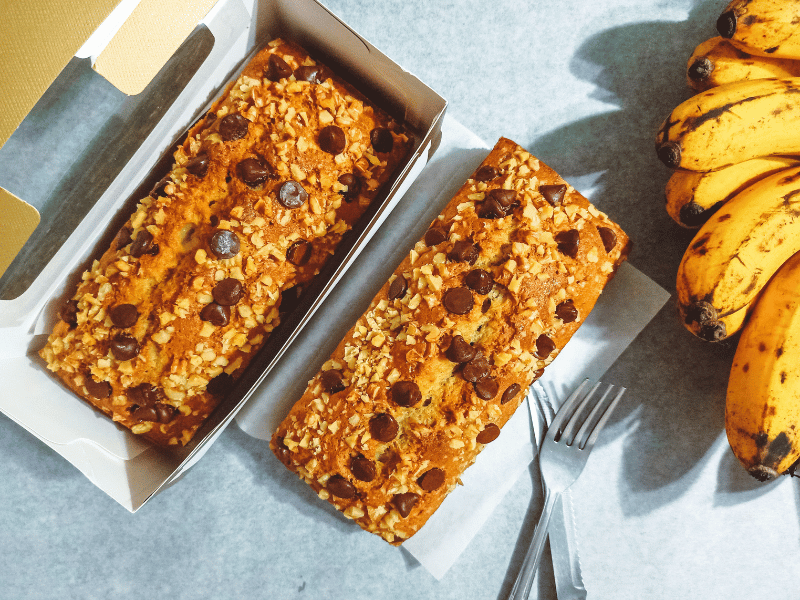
[561, 460]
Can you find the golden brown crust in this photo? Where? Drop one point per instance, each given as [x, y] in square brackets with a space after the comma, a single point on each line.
[237, 172]
[548, 261]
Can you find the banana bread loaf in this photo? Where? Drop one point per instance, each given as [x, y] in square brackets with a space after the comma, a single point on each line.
[442, 357]
[259, 196]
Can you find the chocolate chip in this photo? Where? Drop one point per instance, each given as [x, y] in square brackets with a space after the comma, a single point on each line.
[340, 487]
[224, 244]
[123, 315]
[96, 389]
[609, 238]
[254, 171]
[566, 311]
[485, 173]
[398, 288]
[434, 237]
[124, 347]
[353, 183]
[290, 299]
[145, 394]
[363, 468]
[487, 304]
[476, 369]
[383, 427]
[160, 189]
[233, 127]
[198, 166]
[510, 393]
[216, 314]
[554, 194]
[124, 237]
[486, 388]
[480, 281]
[281, 451]
[165, 412]
[460, 351]
[489, 434]
[69, 312]
[299, 253]
[544, 346]
[158, 412]
[568, 242]
[144, 413]
[406, 393]
[506, 199]
[292, 195]
[490, 209]
[331, 381]
[220, 385]
[431, 480]
[458, 300]
[405, 502]
[143, 244]
[381, 139]
[277, 68]
[310, 73]
[538, 373]
[332, 140]
[464, 251]
[228, 292]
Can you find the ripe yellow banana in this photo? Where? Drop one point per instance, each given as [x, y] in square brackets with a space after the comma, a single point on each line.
[762, 407]
[717, 62]
[692, 197]
[736, 252]
[765, 27]
[732, 123]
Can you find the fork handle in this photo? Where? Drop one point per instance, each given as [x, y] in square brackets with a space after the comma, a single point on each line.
[522, 587]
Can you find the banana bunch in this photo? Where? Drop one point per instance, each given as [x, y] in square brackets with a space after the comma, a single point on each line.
[734, 149]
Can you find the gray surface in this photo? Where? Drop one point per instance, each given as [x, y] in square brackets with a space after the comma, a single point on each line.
[584, 86]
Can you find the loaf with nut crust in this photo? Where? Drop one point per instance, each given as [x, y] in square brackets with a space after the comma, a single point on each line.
[260, 194]
[443, 355]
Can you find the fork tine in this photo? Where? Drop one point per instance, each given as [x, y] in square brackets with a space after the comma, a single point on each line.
[603, 420]
[565, 412]
[568, 436]
[588, 424]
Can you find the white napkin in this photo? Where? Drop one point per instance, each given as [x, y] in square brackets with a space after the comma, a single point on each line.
[610, 328]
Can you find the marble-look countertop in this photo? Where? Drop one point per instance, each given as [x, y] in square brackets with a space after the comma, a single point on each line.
[664, 510]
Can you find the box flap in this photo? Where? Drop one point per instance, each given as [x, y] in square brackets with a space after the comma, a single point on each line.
[18, 222]
[146, 41]
[39, 38]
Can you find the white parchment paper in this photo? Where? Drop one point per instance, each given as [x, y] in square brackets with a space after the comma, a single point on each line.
[609, 329]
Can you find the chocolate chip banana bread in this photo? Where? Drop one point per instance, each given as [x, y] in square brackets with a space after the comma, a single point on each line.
[259, 196]
[442, 358]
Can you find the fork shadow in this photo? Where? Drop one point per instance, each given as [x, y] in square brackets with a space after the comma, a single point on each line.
[679, 408]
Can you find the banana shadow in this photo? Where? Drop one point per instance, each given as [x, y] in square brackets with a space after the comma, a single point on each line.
[679, 381]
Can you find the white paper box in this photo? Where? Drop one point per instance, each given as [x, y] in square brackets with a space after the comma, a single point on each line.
[119, 463]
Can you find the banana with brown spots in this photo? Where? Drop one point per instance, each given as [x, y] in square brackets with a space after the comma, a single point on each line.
[692, 196]
[732, 123]
[762, 408]
[717, 61]
[765, 27]
[736, 252]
